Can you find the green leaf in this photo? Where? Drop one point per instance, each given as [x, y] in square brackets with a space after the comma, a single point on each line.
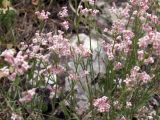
[7, 19]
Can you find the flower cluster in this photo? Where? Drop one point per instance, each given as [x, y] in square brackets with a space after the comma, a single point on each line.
[65, 25]
[86, 11]
[64, 12]
[27, 95]
[16, 117]
[73, 76]
[102, 104]
[42, 15]
[118, 66]
[121, 44]
[151, 38]
[121, 12]
[153, 18]
[55, 69]
[17, 63]
[117, 105]
[136, 77]
[82, 51]
[142, 4]
[60, 65]
[122, 41]
[45, 46]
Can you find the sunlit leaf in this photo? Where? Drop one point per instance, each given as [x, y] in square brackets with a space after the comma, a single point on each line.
[6, 3]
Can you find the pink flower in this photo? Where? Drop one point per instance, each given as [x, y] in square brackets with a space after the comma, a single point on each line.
[8, 55]
[143, 4]
[42, 15]
[140, 54]
[81, 50]
[156, 42]
[105, 30]
[118, 26]
[102, 104]
[144, 77]
[95, 12]
[128, 34]
[134, 72]
[27, 95]
[117, 105]
[108, 49]
[135, 12]
[144, 42]
[15, 117]
[149, 60]
[5, 71]
[64, 12]
[56, 69]
[84, 51]
[84, 73]
[12, 76]
[73, 76]
[136, 68]
[128, 104]
[84, 11]
[129, 81]
[35, 48]
[147, 27]
[51, 44]
[118, 66]
[65, 25]
[153, 18]
[19, 64]
[136, 77]
[87, 11]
